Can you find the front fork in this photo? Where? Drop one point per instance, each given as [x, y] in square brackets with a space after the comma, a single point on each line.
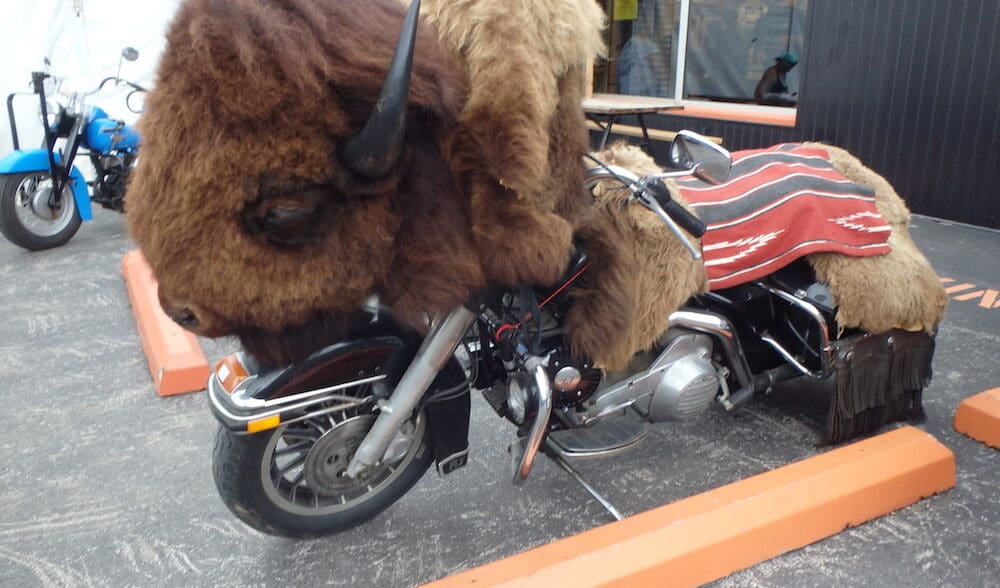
[436, 350]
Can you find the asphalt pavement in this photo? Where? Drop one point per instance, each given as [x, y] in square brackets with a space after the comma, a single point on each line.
[102, 483]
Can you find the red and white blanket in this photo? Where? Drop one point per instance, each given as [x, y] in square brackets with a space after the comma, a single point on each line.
[778, 205]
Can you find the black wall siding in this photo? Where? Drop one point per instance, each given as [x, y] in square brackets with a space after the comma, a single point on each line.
[912, 87]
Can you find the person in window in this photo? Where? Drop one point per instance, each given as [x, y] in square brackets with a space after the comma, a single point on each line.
[772, 89]
[637, 73]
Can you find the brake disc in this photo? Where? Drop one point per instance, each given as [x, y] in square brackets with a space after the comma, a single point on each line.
[325, 468]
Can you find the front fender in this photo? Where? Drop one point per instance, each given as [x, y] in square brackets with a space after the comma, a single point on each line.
[246, 399]
[37, 160]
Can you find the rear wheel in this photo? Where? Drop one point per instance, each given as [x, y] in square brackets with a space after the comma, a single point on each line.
[28, 216]
[291, 480]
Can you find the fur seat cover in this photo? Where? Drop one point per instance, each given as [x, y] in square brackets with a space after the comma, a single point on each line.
[656, 272]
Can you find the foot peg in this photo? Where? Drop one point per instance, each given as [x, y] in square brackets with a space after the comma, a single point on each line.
[606, 436]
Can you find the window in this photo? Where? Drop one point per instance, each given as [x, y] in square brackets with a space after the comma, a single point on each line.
[716, 50]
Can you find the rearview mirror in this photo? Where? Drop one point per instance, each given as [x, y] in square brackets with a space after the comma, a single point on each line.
[130, 54]
[706, 160]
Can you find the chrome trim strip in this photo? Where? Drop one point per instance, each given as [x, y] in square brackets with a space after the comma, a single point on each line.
[811, 310]
[538, 427]
[318, 392]
[789, 357]
[589, 420]
[236, 417]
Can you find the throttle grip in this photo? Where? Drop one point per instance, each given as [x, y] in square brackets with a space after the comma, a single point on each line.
[681, 216]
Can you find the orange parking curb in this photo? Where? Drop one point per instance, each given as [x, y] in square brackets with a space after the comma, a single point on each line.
[713, 534]
[176, 361]
[979, 417]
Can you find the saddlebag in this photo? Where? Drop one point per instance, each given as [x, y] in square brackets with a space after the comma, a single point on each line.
[877, 379]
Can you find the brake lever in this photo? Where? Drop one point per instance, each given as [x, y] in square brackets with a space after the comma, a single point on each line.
[651, 203]
[637, 188]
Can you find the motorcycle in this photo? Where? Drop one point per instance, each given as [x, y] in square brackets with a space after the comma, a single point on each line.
[325, 444]
[44, 197]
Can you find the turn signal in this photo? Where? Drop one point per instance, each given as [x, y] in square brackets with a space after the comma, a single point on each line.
[230, 373]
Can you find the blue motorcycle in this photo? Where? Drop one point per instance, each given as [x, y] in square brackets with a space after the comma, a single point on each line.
[44, 197]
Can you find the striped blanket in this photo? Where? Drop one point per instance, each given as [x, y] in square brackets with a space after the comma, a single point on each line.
[778, 205]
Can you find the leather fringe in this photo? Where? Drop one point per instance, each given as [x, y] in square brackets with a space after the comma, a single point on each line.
[879, 380]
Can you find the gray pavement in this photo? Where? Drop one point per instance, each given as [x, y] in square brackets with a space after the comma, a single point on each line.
[103, 483]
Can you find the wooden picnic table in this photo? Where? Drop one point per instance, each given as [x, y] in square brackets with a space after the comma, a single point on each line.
[604, 110]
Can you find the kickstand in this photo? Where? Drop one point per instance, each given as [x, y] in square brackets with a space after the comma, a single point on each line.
[553, 454]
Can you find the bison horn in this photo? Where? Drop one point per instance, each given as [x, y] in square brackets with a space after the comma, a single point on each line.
[375, 150]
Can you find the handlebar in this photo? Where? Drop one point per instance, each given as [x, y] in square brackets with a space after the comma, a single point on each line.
[117, 81]
[654, 195]
[685, 219]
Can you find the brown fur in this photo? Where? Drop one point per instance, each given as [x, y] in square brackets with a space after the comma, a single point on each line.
[517, 55]
[896, 290]
[641, 273]
[517, 148]
[252, 102]
[295, 81]
[876, 294]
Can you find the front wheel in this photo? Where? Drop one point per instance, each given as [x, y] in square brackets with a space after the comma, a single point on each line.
[28, 216]
[291, 481]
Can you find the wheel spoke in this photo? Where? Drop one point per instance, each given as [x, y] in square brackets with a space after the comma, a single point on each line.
[312, 423]
[293, 448]
[297, 461]
[304, 434]
[305, 462]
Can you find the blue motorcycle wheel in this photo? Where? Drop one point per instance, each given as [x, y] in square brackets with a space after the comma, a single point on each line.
[27, 217]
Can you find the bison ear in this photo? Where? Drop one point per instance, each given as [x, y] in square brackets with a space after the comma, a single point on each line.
[288, 218]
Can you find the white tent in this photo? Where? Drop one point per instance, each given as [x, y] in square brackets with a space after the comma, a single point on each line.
[83, 39]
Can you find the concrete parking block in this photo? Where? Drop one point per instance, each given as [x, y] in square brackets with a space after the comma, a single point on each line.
[176, 360]
[713, 534]
[979, 417]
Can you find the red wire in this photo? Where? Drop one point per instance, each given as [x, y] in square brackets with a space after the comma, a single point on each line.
[506, 326]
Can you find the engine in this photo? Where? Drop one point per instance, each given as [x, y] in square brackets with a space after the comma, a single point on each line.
[679, 383]
[686, 389]
[687, 383]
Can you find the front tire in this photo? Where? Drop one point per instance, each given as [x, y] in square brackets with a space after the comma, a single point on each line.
[26, 218]
[289, 481]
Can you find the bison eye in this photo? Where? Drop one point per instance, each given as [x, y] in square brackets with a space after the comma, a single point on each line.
[184, 317]
[290, 216]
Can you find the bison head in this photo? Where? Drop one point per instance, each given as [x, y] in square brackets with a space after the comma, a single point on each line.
[264, 205]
